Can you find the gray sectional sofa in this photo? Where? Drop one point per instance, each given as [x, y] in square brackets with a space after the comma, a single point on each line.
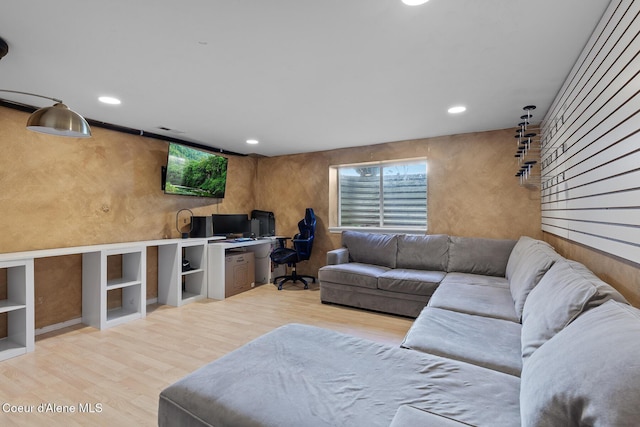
[398, 273]
[511, 334]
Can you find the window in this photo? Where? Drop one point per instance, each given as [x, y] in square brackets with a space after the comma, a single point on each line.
[389, 195]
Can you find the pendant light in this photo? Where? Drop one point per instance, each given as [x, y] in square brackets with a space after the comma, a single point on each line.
[56, 120]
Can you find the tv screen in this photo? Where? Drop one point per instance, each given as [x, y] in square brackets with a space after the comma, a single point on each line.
[193, 172]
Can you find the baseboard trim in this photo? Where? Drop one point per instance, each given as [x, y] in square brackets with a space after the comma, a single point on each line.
[73, 322]
[56, 326]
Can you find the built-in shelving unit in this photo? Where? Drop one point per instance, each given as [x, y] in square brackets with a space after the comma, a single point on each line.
[19, 309]
[96, 288]
[175, 286]
[101, 286]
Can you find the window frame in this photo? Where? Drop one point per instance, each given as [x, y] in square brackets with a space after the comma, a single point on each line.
[335, 225]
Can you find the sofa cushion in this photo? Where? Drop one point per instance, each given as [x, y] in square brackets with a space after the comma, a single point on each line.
[429, 252]
[479, 256]
[588, 373]
[410, 416]
[605, 290]
[300, 375]
[352, 273]
[536, 260]
[483, 341]
[523, 244]
[564, 292]
[373, 299]
[416, 282]
[476, 295]
[371, 248]
[477, 279]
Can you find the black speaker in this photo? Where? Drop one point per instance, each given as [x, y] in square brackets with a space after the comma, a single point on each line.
[202, 226]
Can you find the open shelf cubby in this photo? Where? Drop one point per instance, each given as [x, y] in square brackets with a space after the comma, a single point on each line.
[100, 285]
[178, 286]
[17, 308]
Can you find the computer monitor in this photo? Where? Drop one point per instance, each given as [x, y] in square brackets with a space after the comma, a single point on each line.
[231, 225]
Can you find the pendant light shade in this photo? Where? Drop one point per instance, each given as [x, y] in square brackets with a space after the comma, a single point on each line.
[56, 120]
[59, 120]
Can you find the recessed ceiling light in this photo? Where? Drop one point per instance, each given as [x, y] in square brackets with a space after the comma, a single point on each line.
[252, 141]
[457, 109]
[109, 100]
[414, 2]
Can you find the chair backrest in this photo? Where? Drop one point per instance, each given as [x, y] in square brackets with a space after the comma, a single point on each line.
[303, 241]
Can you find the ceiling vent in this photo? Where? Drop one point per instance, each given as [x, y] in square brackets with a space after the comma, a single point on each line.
[166, 129]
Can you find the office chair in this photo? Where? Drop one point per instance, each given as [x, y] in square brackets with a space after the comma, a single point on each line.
[301, 251]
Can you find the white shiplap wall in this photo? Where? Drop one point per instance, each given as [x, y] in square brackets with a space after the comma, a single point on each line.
[591, 141]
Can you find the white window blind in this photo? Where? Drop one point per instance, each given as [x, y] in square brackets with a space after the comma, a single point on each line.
[385, 195]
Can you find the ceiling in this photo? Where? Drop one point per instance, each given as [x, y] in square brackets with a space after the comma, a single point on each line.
[297, 75]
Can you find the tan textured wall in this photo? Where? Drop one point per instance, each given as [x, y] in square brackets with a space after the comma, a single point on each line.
[619, 273]
[61, 192]
[472, 189]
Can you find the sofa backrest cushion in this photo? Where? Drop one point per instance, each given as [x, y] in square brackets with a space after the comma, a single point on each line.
[564, 292]
[523, 244]
[371, 248]
[479, 256]
[430, 252]
[587, 374]
[536, 261]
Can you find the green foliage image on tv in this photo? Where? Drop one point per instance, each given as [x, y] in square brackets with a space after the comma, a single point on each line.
[193, 172]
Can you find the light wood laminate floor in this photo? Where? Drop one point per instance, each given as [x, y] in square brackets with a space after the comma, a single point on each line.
[113, 377]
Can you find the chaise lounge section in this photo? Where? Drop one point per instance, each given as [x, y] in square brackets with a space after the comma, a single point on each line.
[546, 344]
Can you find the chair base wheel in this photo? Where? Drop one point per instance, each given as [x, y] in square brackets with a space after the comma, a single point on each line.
[293, 278]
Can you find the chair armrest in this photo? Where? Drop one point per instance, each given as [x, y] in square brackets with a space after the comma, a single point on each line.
[338, 256]
[281, 241]
[409, 416]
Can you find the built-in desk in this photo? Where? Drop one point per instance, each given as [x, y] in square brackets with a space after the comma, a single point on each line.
[217, 251]
[19, 304]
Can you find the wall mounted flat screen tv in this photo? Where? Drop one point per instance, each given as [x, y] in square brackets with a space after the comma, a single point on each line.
[193, 172]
